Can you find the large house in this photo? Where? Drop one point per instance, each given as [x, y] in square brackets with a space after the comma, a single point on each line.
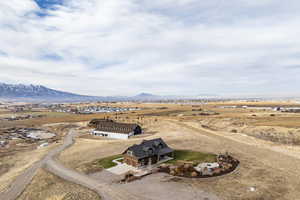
[147, 153]
[111, 129]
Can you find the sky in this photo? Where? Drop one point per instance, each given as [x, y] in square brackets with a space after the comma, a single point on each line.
[164, 47]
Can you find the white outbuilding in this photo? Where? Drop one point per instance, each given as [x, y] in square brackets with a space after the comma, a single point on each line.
[111, 129]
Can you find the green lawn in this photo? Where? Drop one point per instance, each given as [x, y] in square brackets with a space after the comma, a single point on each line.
[180, 155]
[192, 156]
[107, 162]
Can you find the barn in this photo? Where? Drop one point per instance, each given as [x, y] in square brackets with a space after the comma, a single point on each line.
[112, 129]
[147, 153]
[94, 122]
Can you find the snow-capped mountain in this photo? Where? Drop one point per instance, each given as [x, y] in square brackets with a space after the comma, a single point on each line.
[31, 91]
[21, 92]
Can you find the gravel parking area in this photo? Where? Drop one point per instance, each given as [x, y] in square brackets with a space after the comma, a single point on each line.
[161, 186]
[106, 177]
[156, 187]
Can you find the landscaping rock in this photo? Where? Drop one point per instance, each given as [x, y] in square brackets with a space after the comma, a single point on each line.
[194, 174]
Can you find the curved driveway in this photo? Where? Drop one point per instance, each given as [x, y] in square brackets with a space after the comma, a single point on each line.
[107, 192]
[20, 183]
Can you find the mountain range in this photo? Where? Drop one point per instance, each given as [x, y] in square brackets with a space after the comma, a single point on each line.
[34, 92]
[31, 91]
[21, 92]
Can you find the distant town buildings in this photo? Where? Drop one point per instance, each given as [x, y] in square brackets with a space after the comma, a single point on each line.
[279, 109]
[92, 109]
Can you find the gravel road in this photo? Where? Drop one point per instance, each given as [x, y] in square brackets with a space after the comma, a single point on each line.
[107, 192]
[20, 183]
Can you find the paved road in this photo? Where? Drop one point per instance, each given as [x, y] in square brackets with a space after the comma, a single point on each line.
[107, 192]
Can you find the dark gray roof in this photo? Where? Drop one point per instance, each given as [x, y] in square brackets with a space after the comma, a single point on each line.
[94, 121]
[111, 126]
[149, 148]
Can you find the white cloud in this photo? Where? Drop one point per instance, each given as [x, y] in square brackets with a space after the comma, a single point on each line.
[113, 47]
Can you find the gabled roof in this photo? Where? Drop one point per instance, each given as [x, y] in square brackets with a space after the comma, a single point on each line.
[111, 126]
[149, 148]
[100, 120]
[96, 121]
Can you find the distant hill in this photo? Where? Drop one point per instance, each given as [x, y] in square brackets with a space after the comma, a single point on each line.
[152, 97]
[145, 97]
[207, 96]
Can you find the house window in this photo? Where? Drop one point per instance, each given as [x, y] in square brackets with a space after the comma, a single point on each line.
[150, 151]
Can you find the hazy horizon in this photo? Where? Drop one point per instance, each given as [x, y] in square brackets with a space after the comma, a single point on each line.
[162, 47]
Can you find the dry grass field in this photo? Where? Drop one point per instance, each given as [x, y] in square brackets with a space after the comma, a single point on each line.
[13, 165]
[271, 168]
[265, 142]
[50, 187]
[15, 159]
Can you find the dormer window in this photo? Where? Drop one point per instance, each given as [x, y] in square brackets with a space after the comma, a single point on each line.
[150, 151]
[156, 144]
[129, 153]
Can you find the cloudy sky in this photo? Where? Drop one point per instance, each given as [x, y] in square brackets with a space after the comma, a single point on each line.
[124, 47]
